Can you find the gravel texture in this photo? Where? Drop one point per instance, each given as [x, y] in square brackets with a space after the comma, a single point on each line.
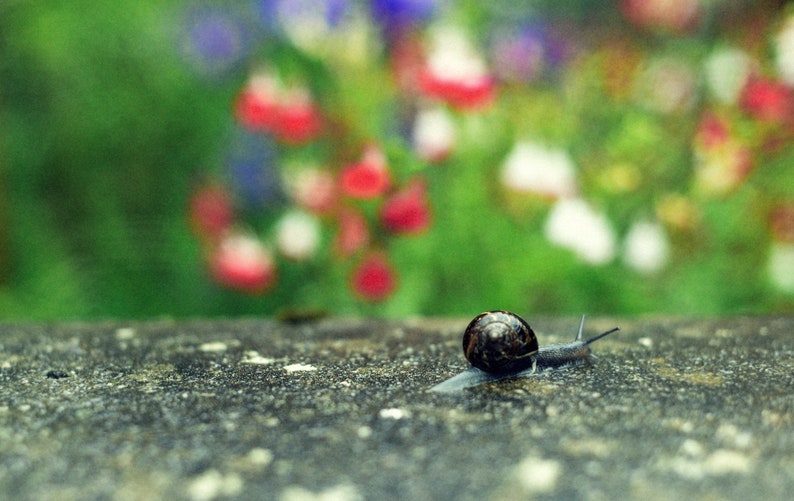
[338, 409]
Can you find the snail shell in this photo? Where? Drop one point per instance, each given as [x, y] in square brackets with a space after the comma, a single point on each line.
[499, 341]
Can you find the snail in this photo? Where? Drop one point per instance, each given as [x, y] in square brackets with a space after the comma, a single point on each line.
[501, 345]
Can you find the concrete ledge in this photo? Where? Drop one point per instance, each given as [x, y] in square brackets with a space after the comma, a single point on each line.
[257, 409]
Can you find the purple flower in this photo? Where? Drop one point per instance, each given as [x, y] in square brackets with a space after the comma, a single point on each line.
[276, 12]
[214, 41]
[523, 54]
[399, 15]
[252, 170]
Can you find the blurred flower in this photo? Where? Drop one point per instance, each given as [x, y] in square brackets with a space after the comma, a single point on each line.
[767, 100]
[401, 15]
[257, 105]
[252, 170]
[667, 85]
[289, 114]
[646, 248]
[353, 233]
[722, 162]
[784, 51]
[522, 54]
[456, 73]
[241, 262]
[727, 70]
[211, 211]
[433, 134]
[575, 225]
[533, 168]
[299, 118]
[781, 222]
[780, 266]
[297, 235]
[677, 16]
[214, 41]
[368, 178]
[678, 212]
[407, 211]
[374, 278]
[313, 189]
[307, 23]
[619, 63]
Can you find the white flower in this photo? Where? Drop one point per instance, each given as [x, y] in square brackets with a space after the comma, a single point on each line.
[784, 47]
[575, 225]
[727, 70]
[781, 266]
[667, 85]
[433, 134]
[646, 248]
[534, 168]
[297, 235]
[453, 58]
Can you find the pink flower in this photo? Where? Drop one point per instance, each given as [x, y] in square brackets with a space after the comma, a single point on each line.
[241, 262]
[678, 16]
[374, 279]
[407, 211]
[353, 233]
[313, 189]
[781, 222]
[768, 100]
[368, 178]
[211, 211]
[722, 162]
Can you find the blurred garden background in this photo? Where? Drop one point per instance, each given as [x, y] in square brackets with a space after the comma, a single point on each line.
[395, 158]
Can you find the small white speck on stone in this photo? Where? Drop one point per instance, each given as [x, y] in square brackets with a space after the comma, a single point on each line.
[212, 484]
[24, 407]
[538, 475]
[213, 347]
[364, 432]
[125, 333]
[724, 461]
[341, 492]
[394, 413]
[732, 436]
[253, 357]
[299, 368]
[691, 448]
[646, 342]
[259, 457]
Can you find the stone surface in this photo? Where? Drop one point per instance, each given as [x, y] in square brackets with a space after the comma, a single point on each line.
[339, 409]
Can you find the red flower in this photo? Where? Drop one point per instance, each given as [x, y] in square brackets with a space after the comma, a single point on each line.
[353, 233]
[369, 178]
[297, 122]
[374, 278]
[767, 100]
[291, 116]
[241, 262]
[407, 210]
[211, 211]
[257, 109]
[465, 94]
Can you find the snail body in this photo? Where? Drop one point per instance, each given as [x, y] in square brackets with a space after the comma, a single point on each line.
[500, 345]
